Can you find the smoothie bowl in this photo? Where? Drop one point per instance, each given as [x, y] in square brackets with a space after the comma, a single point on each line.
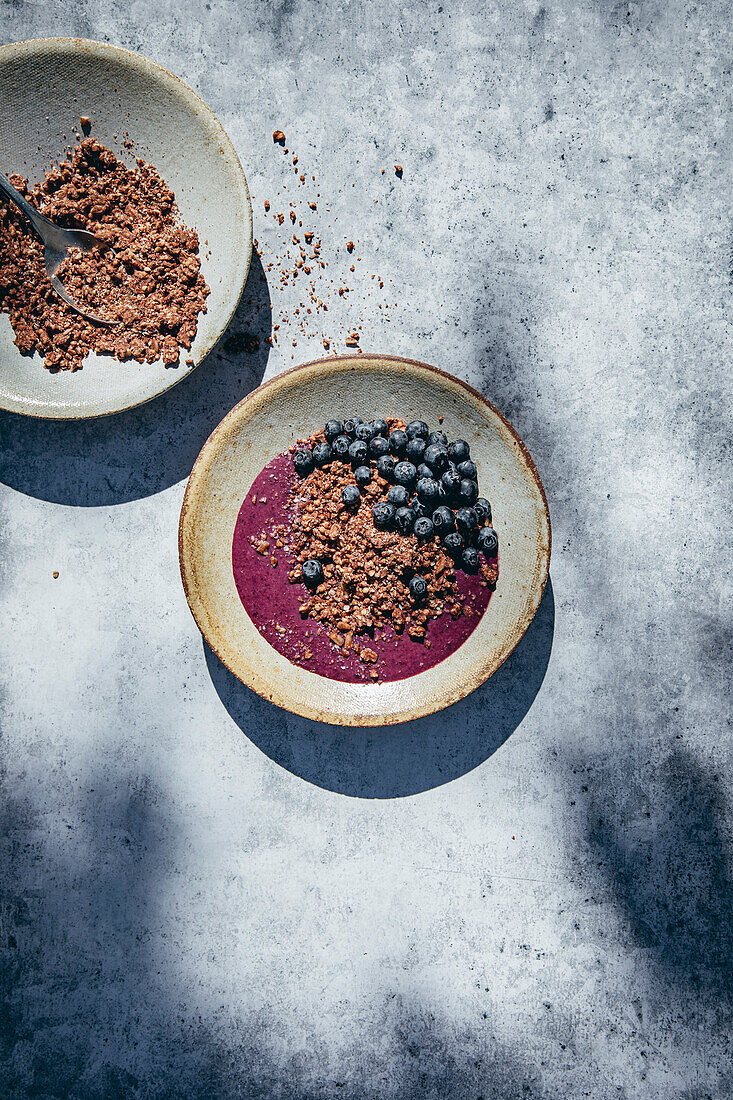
[364, 540]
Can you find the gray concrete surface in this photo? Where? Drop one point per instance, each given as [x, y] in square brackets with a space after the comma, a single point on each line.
[530, 895]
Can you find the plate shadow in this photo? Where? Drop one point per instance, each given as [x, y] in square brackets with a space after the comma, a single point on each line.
[134, 454]
[395, 761]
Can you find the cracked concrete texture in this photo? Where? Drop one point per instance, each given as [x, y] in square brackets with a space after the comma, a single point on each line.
[529, 895]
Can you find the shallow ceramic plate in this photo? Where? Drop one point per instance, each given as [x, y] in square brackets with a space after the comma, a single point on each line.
[46, 86]
[292, 406]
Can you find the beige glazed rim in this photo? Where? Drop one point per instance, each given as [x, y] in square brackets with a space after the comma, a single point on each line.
[291, 406]
[50, 83]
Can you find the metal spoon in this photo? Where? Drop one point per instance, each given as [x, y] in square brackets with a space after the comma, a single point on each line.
[56, 242]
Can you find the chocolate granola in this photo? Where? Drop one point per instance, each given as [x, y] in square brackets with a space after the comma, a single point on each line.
[147, 281]
[366, 571]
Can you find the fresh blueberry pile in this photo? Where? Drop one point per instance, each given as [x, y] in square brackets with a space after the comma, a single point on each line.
[434, 484]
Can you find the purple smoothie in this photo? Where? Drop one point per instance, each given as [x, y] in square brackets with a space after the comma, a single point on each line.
[272, 602]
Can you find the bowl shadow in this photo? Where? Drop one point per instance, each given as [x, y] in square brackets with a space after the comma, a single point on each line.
[134, 454]
[396, 761]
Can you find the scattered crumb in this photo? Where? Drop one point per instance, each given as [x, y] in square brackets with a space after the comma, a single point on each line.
[303, 258]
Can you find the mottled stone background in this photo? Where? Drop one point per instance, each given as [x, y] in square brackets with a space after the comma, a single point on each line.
[529, 895]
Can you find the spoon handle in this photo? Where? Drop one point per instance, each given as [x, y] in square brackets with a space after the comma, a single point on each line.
[35, 218]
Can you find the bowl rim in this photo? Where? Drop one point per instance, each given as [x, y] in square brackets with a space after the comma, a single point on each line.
[281, 698]
[142, 64]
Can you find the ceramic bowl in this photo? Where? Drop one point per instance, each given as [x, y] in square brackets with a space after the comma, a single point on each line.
[46, 86]
[294, 405]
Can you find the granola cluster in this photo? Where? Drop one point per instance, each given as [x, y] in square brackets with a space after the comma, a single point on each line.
[147, 281]
[366, 571]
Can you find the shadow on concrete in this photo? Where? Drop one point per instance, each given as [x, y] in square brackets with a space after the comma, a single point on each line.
[664, 850]
[395, 761]
[135, 454]
[97, 1006]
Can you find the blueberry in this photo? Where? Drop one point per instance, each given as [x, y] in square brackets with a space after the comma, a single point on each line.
[482, 508]
[399, 496]
[312, 573]
[358, 452]
[362, 476]
[443, 520]
[468, 469]
[383, 514]
[466, 521]
[417, 429]
[416, 450]
[423, 529]
[350, 495]
[405, 473]
[436, 456]
[322, 453]
[340, 448]
[365, 432]
[418, 588]
[451, 482]
[424, 470]
[419, 509]
[385, 467]
[404, 520]
[438, 437]
[351, 425]
[381, 427]
[398, 442]
[303, 462]
[332, 429]
[454, 543]
[459, 450]
[428, 491]
[378, 446]
[469, 560]
[467, 491]
[488, 541]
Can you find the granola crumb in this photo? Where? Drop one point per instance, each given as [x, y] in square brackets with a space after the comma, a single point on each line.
[145, 279]
[366, 570]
